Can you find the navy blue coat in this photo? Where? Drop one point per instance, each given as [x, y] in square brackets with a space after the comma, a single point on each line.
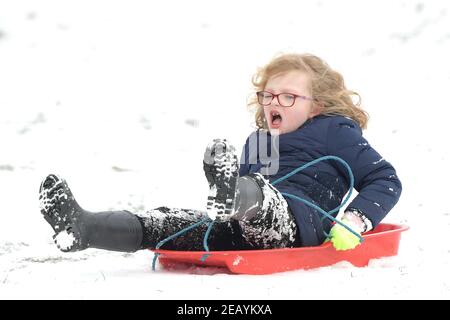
[327, 182]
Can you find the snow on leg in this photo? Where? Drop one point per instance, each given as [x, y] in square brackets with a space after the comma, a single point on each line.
[163, 222]
[273, 226]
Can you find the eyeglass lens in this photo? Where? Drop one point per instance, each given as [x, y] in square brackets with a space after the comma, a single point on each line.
[284, 99]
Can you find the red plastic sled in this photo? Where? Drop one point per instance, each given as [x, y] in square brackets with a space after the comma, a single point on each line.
[383, 241]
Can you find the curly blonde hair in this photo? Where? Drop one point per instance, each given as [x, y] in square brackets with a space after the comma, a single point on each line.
[327, 87]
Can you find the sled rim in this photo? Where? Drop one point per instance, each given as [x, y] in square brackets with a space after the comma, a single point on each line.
[398, 228]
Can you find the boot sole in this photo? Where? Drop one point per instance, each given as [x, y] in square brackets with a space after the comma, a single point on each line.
[53, 193]
[220, 165]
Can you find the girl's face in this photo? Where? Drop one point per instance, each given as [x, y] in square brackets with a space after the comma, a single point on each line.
[287, 119]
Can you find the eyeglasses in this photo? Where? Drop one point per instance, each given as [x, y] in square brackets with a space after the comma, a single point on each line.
[284, 99]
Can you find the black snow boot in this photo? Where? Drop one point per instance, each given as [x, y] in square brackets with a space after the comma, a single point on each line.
[221, 167]
[231, 196]
[261, 211]
[77, 229]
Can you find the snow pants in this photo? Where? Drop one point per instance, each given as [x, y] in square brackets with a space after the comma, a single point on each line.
[265, 226]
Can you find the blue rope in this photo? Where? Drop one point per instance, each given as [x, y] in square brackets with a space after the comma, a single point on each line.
[179, 233]
[205, 241]
[320, 210]
[325, 214]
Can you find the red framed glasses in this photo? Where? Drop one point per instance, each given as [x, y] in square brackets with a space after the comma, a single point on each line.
[284, 99]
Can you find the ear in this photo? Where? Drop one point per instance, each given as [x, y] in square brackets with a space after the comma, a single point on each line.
[316, 109]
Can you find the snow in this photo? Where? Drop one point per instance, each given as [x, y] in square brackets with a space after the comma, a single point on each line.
[65, 240]
[120, 98]
[237, 260]
[378, 161]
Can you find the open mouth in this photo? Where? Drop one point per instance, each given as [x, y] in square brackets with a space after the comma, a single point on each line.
[275, 119]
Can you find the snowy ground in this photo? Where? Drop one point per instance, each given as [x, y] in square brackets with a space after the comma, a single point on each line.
[121, 98]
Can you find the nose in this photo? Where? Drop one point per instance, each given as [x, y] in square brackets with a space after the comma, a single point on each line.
[275, 101]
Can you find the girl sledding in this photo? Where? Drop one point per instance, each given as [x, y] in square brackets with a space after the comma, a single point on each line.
[303, 112]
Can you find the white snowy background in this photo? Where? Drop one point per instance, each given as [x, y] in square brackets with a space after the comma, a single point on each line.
[121, 98]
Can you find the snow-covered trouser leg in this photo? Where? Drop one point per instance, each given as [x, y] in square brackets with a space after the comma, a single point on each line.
[263, 214]
[161, 223]
[77, 229]
[261, 220]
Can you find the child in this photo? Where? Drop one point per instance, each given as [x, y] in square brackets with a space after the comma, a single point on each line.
[302, 106]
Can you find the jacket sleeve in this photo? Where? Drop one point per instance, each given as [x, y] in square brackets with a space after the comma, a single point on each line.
[375, 179]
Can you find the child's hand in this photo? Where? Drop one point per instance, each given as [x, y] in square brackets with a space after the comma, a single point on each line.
[341, 238]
